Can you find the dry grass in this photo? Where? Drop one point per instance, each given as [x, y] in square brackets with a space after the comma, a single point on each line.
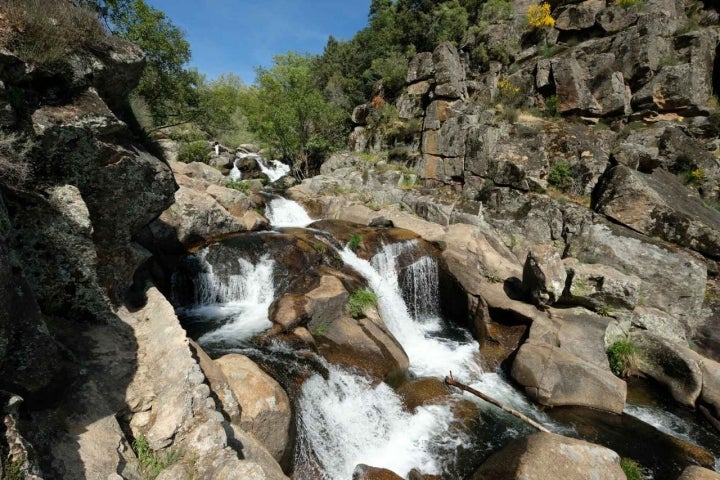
[15, 166]
[45, 31]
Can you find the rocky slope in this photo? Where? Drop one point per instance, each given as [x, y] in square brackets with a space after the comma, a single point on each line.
[98, 378]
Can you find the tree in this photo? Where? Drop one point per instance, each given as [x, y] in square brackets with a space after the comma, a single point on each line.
[286, 109]
[167, 86]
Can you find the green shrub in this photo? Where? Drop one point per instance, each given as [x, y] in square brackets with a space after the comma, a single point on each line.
[361, 299]
[189, 151]
[151, 462]
[551, 106]
[622, 356]
[241, 186]
[627, 3]
[604, 310]
[354, 242]
[694, 177]
[632, 469]
[560, 175]
[13, 470]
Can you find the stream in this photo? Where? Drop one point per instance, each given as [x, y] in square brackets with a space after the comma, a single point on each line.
[344, 420]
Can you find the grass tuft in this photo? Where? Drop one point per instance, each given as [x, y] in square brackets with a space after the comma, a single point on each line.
[361, 299]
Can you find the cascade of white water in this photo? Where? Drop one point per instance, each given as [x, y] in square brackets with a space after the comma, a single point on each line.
[429, 355]
[346, 421]
[282, 212]
[235, 173]
[237, 302]
[274, 172]
[421, 287]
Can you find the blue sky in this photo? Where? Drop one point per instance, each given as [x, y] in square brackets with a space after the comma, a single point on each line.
[238, 35]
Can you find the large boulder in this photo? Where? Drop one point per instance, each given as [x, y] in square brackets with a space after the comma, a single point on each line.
[545, 456]
[554, 377]
[657, 204]
[694, 472]
[599, 286]
[266, 411]
[544, 275]
[81, 147]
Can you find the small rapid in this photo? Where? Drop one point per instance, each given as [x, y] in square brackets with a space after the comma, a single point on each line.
[282, 212]
[233, 306]
[274, 170]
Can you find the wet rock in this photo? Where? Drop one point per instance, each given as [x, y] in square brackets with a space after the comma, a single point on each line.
[694, 472]
[365, 344]
[265, 406]
[544, 275]
[542, 456]
[423, 391]
[671, 364]
[366, 472]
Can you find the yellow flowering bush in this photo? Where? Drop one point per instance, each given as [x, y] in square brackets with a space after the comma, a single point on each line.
[538, 16]
[508, 93]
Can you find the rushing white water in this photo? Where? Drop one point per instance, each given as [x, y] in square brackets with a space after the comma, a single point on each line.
[235, 173]
[282, 212]
[237, 302]
[347, 421]
[275, 171]
[429, 355]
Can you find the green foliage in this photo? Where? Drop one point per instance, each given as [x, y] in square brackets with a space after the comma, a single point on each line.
[151, 462]
[560, 175]
[191, 151]
[166, 85]
[354, 242]
[694, 177]
[241, 186]
[548, 51]
[287, 110]
[627, 3]
[604, 310]
[496, 10]
[361, 299]
[622, 356]
[13, 470]
[47, 31]
[632, 469]
[551, 106]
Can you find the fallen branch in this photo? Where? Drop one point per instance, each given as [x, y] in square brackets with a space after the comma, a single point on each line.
[452, 382]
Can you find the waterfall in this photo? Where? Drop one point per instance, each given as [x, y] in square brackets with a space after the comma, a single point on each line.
[235, 174]
[345, 421]
[274, 172]
[421, 287]
[235, 305]
[282, 212]
[429, 355]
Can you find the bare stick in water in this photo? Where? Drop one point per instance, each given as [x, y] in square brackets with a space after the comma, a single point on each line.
[452, 382]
